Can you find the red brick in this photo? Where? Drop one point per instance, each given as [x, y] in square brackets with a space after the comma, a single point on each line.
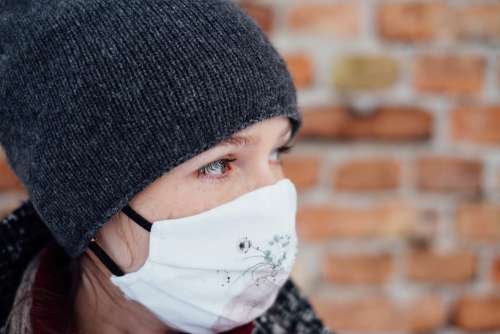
[301, 69]
[302, 170]
[357, 268]
[337, 19]
[367, 174]
[389, 123]
[449, 174]
[477, 313]
[401, 123]
[411, 21]
[479, 124]
[377, 313]
[449, 74]
[478, 222]
[262, 14]
[477, 22]
[8, 180]
[322, 121]
[495, 270]
[316, 222]
[449, 267]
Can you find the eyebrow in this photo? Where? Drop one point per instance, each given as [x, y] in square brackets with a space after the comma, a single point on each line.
[242, 140]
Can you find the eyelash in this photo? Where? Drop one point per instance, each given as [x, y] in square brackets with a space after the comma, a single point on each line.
[202, 172]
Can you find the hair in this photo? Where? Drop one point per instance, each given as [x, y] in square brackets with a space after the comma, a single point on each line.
[73, 272]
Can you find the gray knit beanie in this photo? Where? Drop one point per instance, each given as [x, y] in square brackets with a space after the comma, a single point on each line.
[98, 98]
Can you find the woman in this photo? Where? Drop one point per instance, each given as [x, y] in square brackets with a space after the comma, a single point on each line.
[143, 131]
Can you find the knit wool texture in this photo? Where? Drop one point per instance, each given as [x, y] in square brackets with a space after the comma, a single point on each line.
[98, 98]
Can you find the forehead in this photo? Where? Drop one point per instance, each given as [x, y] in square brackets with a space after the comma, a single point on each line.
[279, 128]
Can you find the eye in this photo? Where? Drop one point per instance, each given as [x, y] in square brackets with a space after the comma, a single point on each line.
[219, 169]
[215, 169]
[282, 150]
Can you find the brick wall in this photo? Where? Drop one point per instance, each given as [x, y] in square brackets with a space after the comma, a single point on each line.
[398, 162]
[12, 192]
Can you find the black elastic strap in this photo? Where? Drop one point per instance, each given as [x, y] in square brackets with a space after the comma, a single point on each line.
[105, 259]
[101, 254]
[137, 218]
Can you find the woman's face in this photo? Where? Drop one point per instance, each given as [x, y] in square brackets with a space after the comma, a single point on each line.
[246, 161]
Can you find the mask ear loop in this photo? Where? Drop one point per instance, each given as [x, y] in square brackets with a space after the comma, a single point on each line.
[137, 218]
[105, 258]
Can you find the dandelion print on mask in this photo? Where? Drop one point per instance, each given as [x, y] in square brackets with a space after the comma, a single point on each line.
[268, 270]
[272, 255]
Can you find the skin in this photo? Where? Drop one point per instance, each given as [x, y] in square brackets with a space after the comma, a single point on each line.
[186, 190]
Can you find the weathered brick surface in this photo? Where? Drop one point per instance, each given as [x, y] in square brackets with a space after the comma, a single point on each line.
[477, 313]
[478, 222]
[412, 21]
[323, 222]
[302, 170]
[384, 123]
[8, 180]
[357, 268]
[447, 174]
[400, 106]
[478, 124]
[301, 69]
[327, 19]
[449, 74]
[477, 22]
[368, 174]
[377, 313]
[426, 266]
[262, 14]
[495, 270]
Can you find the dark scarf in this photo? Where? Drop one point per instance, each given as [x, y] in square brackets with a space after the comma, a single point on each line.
[39, 307]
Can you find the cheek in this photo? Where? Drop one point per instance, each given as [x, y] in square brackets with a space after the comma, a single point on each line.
[197, 198]
[197, 202]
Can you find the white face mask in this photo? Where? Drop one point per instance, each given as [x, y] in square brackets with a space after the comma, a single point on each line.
[218, 269]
